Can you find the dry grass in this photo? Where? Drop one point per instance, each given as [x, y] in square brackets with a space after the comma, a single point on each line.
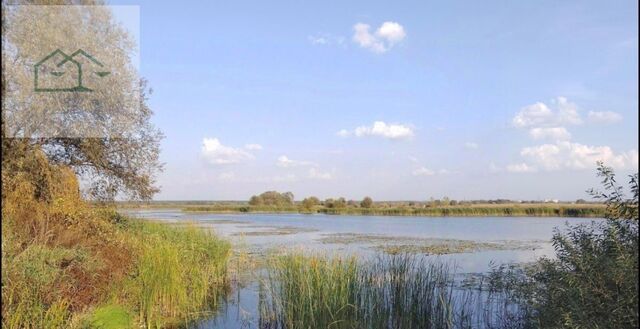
[69, 264]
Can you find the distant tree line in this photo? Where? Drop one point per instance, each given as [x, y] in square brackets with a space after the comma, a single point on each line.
[272, 198]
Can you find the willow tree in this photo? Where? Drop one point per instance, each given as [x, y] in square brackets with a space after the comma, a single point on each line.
[99, 126]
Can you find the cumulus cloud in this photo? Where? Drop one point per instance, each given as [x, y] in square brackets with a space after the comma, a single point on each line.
[554, 133]
[382, 40]
[380, 129]
[217, 154]
[253, 147]
[567, 155]
[560, 112]
[603, 117]
[284, 162]
[520, 168]
[317, 174]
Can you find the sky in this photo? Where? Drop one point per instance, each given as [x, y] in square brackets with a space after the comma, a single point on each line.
[394, 100]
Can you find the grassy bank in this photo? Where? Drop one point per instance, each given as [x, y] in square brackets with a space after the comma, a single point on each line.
[66, 264]
[517, 210]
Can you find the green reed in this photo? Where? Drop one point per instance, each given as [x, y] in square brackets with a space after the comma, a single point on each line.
[400, 291]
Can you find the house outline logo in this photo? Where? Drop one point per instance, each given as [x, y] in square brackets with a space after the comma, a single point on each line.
[78, 86]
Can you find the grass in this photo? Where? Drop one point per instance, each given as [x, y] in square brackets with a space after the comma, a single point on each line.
[67, 264]
[400, 291]
[181, 273]
[479, 210]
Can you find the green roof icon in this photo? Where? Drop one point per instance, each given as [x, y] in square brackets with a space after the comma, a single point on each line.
[58, 63]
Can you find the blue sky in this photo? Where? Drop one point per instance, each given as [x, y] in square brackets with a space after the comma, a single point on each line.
[395, 100]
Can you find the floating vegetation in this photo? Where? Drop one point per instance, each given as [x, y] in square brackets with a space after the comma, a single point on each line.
[431, 246]
[275, 230]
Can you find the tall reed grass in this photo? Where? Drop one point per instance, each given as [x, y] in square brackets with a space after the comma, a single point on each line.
[400, 291]
[516, 210]
[181, 273]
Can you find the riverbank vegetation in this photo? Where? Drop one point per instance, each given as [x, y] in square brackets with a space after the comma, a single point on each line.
[275, 202]
[479, 210]
[69, 264]
[591, 283]
[400, 291]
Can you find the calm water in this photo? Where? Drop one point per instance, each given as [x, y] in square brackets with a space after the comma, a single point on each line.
[258, 233]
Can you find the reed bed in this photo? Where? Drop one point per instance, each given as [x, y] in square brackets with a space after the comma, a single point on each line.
[509, 210]
[400, 291]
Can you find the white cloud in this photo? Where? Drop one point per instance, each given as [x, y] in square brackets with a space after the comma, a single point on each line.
[325, 39]
[520, 168]
[554, 133]
[471, 145]
[285, 162]
[343, 133]
[391, 31]
[603, 117]
[541, 115]
[253, 147]
[216, 153]
[317, 40]
[381, 129]
[423, 171]
[383, 39]
[317, 174]
[567, 155]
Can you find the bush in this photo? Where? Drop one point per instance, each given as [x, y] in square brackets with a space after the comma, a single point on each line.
[593, 280]
[66, 263]
[593, 283]
[367, 202]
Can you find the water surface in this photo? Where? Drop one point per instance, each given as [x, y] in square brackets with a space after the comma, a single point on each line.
[260, 233]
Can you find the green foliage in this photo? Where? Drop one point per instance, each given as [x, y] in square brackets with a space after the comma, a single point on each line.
[182, 271]
[398, 291]
[331, 207]
[338, 203]
[116, 157]
[367, 202]
[61, 258]
[618, 205]
[593, 282]
[110, 317]
[272, 198]
[310, 202]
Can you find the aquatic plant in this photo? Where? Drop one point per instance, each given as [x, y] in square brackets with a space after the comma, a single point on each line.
[397, 291]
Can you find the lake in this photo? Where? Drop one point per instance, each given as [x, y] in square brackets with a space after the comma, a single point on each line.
[471, 243]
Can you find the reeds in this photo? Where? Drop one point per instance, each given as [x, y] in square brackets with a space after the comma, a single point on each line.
[508, 210]
[399, 291]
[182, 272]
